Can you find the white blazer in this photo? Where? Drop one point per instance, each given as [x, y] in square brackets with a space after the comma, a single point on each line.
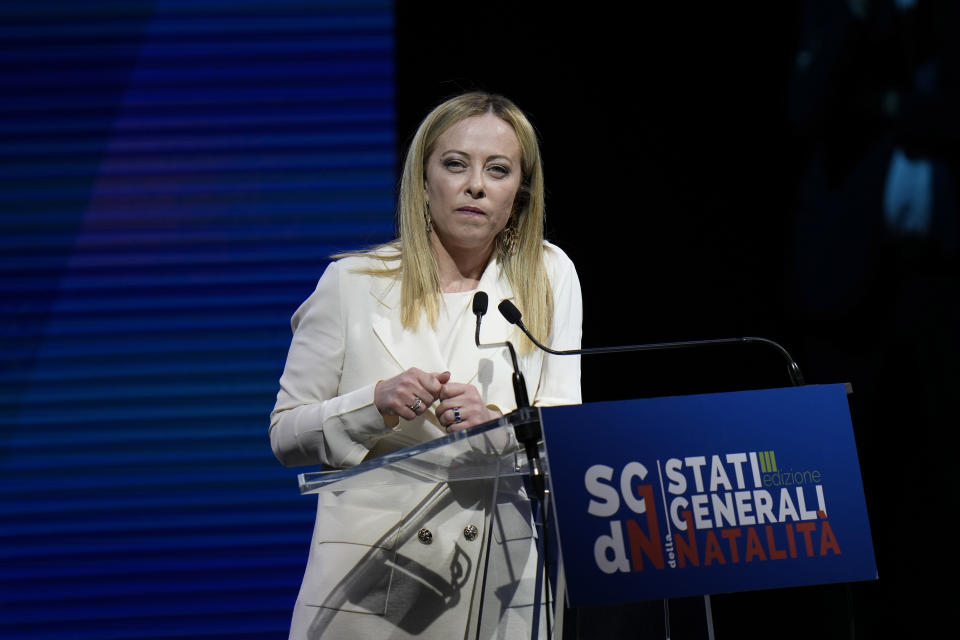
[348, 336]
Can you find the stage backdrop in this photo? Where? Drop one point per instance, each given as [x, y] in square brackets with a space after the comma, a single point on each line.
[173, 176]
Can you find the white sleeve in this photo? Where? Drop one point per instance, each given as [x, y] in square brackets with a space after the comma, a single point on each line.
[560, 375]
[311, 423]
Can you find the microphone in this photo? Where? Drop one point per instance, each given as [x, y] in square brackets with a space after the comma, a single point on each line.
[480, 303]
[519, 385]
[479, 309]
[528, 432]
[509, 311]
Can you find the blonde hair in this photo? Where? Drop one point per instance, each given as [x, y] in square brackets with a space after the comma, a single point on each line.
[524, 268]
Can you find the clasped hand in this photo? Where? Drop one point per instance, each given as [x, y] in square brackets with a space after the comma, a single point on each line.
[413, 392]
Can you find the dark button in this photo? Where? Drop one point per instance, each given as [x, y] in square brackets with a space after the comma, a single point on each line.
[425, 536]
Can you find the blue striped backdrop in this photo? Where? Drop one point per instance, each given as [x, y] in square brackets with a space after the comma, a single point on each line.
[173, 175]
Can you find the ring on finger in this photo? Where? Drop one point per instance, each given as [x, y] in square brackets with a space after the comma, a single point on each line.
[456, 415]
[417, 403]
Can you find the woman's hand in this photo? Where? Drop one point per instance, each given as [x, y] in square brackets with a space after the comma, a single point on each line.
[409, 394]
[462, 401]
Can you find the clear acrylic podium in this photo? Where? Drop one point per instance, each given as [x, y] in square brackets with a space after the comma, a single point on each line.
[469, 539]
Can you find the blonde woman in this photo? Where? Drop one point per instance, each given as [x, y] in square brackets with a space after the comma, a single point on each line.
[383, 356]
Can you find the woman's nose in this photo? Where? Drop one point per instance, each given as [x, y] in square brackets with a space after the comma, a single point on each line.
[475, 185]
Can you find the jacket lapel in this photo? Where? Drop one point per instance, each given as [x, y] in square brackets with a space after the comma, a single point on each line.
[420, 348]
[417, 348]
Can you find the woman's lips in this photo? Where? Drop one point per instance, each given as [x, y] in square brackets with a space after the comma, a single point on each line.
[472, 210]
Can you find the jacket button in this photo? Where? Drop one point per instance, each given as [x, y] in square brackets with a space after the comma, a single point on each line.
[425, 536]
[470, 532]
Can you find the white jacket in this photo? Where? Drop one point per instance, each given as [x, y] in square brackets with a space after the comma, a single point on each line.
[348, 336]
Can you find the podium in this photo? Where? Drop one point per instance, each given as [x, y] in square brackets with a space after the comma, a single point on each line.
[648, 499]
[468, 537]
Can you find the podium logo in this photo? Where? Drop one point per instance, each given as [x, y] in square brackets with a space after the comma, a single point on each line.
[642, 534]
[714, 509]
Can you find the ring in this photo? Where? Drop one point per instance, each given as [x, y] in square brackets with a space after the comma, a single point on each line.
[416, 404]
[456, 415]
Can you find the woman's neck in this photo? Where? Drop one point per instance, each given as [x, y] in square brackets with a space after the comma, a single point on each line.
[459, 271]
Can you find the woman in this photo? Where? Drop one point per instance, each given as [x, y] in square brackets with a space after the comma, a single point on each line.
[383, 356]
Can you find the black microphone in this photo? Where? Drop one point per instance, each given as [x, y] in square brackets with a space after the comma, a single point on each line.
[480, 303]
[519, 385]
[509, 311]
[479, 309]
[513, 316]
[528, 432]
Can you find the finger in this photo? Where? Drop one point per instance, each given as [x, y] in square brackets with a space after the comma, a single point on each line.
[437, 383]
[421, 384]
[420, 402]
[403, 400]
[406, 404]
[457, 394]
[447, 405]
[411, 388]
[399, 395]
[453, 390]
[454, 417]
[459, 426]
[431, 386]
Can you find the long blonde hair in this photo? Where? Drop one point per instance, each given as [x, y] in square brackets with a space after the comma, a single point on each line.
[524, 268]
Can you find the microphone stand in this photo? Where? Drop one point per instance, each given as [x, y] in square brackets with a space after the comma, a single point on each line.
[513, 316]
[529, 433]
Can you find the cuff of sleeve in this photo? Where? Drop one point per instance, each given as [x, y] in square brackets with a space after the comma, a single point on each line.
[350, 424]
[354, 433]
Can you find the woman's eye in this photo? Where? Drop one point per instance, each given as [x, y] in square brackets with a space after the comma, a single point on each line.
[500, 170]
[454, 164]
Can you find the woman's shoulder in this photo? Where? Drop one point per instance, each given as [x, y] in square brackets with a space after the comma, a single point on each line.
[351, 277]
[555, 259]
[376, 261]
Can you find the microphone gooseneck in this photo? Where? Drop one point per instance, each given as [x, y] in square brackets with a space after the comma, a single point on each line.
[510, 312]
[519, 385]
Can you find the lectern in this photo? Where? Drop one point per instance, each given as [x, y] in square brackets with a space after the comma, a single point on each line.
[479, 556]
[648, 499]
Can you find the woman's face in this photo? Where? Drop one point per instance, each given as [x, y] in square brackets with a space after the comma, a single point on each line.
[472, 178]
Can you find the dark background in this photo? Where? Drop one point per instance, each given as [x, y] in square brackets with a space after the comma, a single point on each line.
[718, 170]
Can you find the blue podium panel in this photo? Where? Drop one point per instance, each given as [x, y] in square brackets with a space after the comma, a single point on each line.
[690, 495]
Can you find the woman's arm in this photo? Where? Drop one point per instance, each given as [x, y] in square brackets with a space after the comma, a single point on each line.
[310, 422]
[315, 420]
